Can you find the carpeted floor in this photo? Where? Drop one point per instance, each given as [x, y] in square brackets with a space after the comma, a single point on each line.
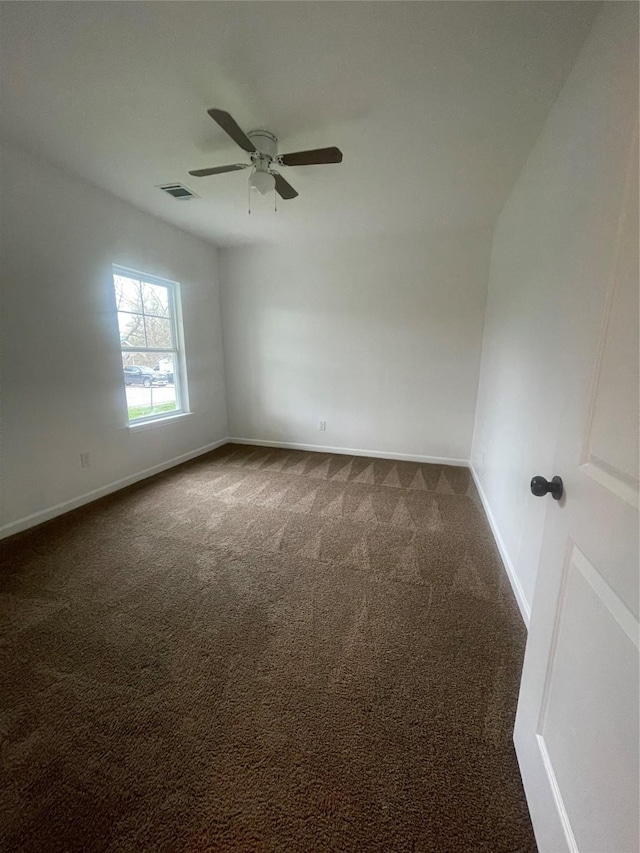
[263, 650]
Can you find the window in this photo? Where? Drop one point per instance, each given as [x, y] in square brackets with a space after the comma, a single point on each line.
[148, 312]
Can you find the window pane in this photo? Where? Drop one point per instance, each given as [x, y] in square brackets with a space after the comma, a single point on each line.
[155, 299]
[128, 297]
[158, 332]
[144, 402]
[131, 330]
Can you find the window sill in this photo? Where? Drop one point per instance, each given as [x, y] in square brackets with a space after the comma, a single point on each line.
[140, 426]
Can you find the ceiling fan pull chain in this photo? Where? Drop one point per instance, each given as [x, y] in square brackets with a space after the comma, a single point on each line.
[275, 200]
[249, 198]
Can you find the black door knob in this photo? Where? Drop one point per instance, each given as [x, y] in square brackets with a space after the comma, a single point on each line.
[540, 487]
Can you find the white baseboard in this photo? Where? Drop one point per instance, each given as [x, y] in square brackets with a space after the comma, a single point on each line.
[352, 451]
[59, 509]
[523, 604]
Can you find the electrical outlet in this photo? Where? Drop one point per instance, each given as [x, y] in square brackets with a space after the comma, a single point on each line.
[322, 426]
[85, 460]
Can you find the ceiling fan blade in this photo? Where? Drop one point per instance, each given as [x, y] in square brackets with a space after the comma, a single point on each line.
[284, 188]
[312, 158]
[218, 170]
[228, 124]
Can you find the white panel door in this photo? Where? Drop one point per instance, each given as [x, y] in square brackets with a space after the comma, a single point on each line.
[577, 724]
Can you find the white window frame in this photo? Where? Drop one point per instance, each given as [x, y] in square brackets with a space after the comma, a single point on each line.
[177, 351]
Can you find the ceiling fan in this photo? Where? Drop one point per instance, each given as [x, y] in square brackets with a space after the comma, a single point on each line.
[262, 148]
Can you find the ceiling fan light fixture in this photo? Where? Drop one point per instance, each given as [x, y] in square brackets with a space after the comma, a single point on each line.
[263, 182]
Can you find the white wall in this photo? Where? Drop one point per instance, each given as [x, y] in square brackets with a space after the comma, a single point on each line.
[540, 235]
[380, 337]
[61, 380]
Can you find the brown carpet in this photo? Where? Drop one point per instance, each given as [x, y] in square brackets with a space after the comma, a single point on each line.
[263, 650]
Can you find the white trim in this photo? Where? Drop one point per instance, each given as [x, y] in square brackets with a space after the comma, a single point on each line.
[523, 604]
[557, 796]
[155, 420]
[611, 478]
[611, 600]
[59, 509]
[138, 275]
[353, 451]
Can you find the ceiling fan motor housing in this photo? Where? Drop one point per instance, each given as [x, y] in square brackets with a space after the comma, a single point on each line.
[266, 144]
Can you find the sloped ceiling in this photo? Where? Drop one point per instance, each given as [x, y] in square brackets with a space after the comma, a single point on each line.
[434, 104]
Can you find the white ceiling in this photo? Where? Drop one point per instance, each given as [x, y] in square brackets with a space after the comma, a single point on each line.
[434, 104]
